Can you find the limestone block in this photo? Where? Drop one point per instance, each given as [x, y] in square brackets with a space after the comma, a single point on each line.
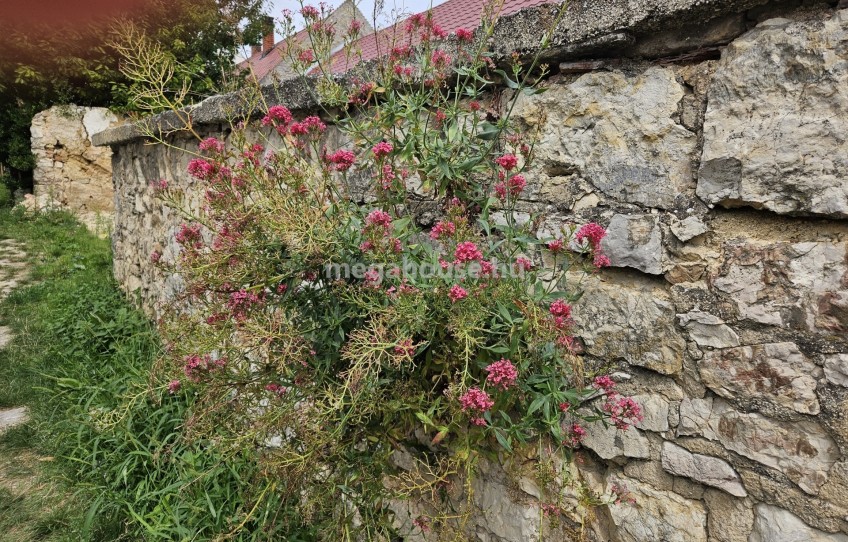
[772, 523]
[777, 372]
[705, 469]
[777, 115]
[631, 320]
[799, 285]
[634, 241]
[617, 132]
[802, 449]
[657, 515]
[688, 228]
[708, 330]
[836, 369]
[611, 443]
[728, 519]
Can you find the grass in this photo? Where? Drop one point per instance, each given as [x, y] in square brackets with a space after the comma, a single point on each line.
[71, 325]
[105, 457]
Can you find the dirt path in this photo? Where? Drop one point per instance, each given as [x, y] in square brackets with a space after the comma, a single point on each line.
[13, 272]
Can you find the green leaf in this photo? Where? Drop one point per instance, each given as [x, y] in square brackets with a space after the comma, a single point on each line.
[507, 81]
[536, 404]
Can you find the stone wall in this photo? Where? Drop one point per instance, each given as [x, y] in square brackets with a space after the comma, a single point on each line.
[70, 172]
[710, 137]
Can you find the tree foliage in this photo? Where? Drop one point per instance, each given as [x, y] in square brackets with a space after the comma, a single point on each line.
[46, 64]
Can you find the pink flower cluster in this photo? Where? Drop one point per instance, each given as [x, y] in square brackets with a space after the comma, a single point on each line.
[623, 411]
[277, 114]
[174, 386]
[560, 308]
[311, 126]
[342, 160]
[555, 246]
[575, 435]
[467, 252]
[512, 187]
[463, 34]
[592, 234]
[212, 144]
[241, 302]
[457, 293]
[189, 236]
[196, 365]
[382, 149]
[440, 59]
[442, 229]
[475, 402]
[276, 389]
[378, 218]
[202, 169]
[502, 374]
[507, 161]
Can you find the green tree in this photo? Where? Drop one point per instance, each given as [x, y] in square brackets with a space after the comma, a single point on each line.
[44, 64]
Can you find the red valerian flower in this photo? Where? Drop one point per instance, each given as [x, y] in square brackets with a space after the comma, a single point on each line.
[382, 149]
[507, 161]
[502, 374]
[574, 435]
[560, 308]
[379, 218]
[174, 386]
[306, 56]
[442, 229]
[212, 144]
[555, 246]
[277, 113]
[476, 400]
[342, 160]
[623, 411]
[467, 252]
[463, 34]
[457, 292]
[592, 232]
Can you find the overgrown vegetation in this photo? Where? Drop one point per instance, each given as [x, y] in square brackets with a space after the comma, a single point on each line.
[117, 466]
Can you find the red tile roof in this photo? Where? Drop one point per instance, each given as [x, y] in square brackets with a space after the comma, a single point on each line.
[264, 64]
[450, 16]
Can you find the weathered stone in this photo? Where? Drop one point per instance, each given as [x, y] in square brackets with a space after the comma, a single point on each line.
[502, 516]
[836, 369]
[617, 132]
[12, 417]
[634, 241]
[776, 372]
[802, 450]
[708, 330]
[705, 469]
[688, 228]
[612, 443]
[657, 515]
[776, 120]
[632, 320]
[797, 285]
[654, 412]
[70, 171]
[728, 519]
[772, 523]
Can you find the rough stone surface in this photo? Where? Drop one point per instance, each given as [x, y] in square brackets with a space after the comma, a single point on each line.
[657, 515]
[836, 369]
[12, 417]
[634, 241]
[688, 228]
[708, 330]
[778, 373]
[617, 133]
[774, 134]
[612, 443]
[69, 170]
[802, 450]
[708, 470]
[799, 285]
[772, 523]
[621, 315]
[728, 519]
